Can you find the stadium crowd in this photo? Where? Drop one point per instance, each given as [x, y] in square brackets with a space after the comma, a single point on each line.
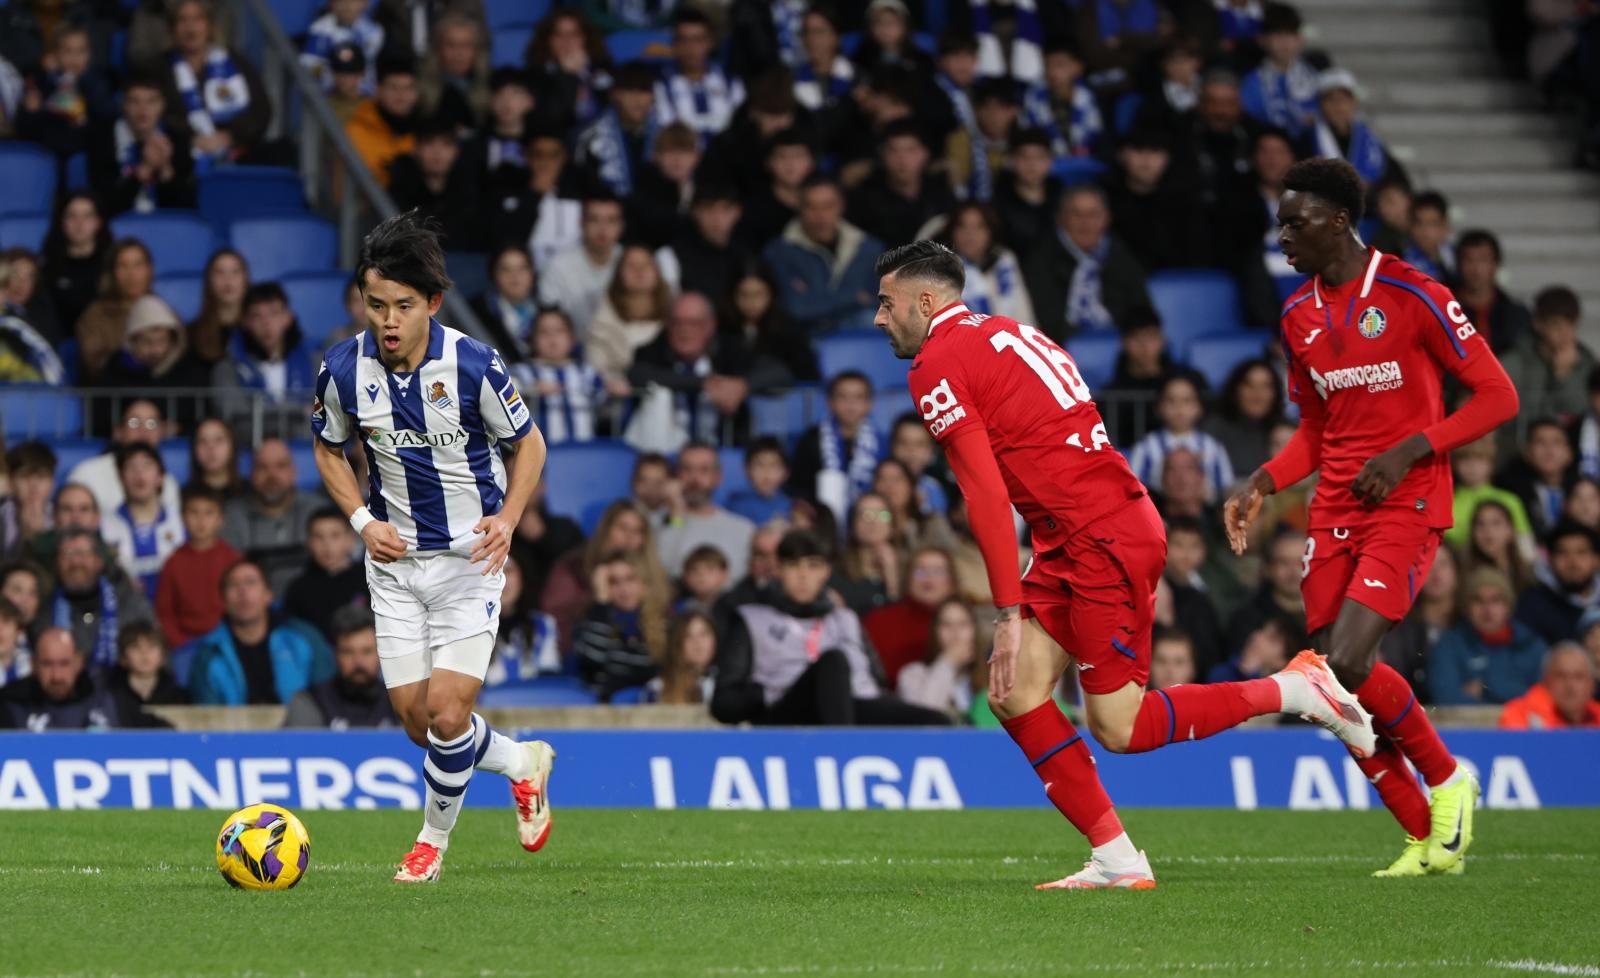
[671, 242]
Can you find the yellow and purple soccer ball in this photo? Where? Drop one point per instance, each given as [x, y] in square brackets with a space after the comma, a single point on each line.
[263, 847]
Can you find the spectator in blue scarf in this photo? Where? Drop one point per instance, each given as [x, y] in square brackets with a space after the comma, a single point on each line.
[216, 89]
[92, 601]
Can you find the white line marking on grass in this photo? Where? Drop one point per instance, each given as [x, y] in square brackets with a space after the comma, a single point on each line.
[790, 862]
[1153, 967]
[1548, 968]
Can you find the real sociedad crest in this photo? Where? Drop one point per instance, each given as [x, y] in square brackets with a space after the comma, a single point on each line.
[1372, 322]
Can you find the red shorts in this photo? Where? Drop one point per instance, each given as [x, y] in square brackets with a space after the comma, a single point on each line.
[1096, 597]
[1381, 564]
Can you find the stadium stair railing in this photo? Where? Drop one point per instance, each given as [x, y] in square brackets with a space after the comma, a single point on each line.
[340, 185]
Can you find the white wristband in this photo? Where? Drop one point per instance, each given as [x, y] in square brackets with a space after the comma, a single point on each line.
[360, 518]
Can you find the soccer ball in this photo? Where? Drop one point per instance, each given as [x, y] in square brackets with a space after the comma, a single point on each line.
[263, 847]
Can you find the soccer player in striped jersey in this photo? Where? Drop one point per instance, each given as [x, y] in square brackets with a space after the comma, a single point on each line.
[433, 409]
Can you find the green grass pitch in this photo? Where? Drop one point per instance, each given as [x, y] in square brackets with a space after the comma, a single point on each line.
[732, 894]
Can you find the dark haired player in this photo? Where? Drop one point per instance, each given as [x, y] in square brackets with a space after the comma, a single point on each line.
[1368, 340]
[433, 409]
[1019, 427]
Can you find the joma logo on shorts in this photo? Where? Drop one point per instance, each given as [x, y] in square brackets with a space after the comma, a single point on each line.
[1375, 377]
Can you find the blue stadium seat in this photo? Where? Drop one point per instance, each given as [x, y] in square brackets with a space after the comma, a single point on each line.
[545, 691]
[296, 15]
[24, 230]
[887, 405]
[1126, 111]
[469, 270]
[1216, 356]
[237, 192]
[632, 696]
[788, 414]
[182, 293]
[1096, 356]
[71, 451]
[175, 456]
[39, 412]
[866, 351]
[318, 302]
[78, 171]
[576, 475]
[306, 477]
[628, 46]
[733, 475]
[508, 43]
[28, 175]
[925, 42]
[179, 241]
[1194, 304]
[589, 519]
[503, 13]
[277, 246]
[1073, 170]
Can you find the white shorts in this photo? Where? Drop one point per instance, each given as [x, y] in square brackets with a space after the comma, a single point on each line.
[422, 604]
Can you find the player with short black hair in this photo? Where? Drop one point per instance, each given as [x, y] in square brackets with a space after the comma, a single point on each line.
[1019, 427]
[433, 409]
[1368, 340]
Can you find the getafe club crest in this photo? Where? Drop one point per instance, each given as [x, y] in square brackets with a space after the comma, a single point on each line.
[1372, 322]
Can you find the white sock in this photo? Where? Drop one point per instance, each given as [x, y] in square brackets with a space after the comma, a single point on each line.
[1296, 692]
[498, 753]
[445, 774]
[1118, 855]
[1453, 780]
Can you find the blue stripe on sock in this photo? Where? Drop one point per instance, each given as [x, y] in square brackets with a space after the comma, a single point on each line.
[479, 724]
[448, 790]
[454, 763]
[1117, 644]
[1172, 715]
[1052, 752]
[1409, 704]
[450, 746]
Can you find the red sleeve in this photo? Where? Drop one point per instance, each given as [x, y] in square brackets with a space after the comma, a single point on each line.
[988, 509]
[1303, 454]
[1455, 344]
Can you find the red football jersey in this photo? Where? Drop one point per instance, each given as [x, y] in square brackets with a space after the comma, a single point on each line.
[1367, 358]
[1060, 469]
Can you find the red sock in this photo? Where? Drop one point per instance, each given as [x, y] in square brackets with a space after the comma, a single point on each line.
[1193, 712]
[1062, 761]
[1397, 786]
[1388, 697]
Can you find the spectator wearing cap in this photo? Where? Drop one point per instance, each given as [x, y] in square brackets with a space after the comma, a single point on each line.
[142, 531]
[615, 147]
[267, 357]
[346, 22]
[92, 599]
[693, 89]
[823, 263]
[1083, 277]
[1340, 133]
[156, 354]
[1504, 321]
[790, 160]
[974, 155]
[575, 278]
[1025, 193]
[216, 89]
[498, 152]
[436, 182]
[543, 214]
[1488, 657]
[1159, 221]
[659, 204]
[347, 77]
[60, 694]
[1064, 107]
[140, 162]
[1563, 697]
[355, 696]
[1282, 90]
[1553, 607]
[703, 255]
[900, 196]
[384, 127]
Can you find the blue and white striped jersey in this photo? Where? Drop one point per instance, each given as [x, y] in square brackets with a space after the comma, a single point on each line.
[430, 436]
[143, 548]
